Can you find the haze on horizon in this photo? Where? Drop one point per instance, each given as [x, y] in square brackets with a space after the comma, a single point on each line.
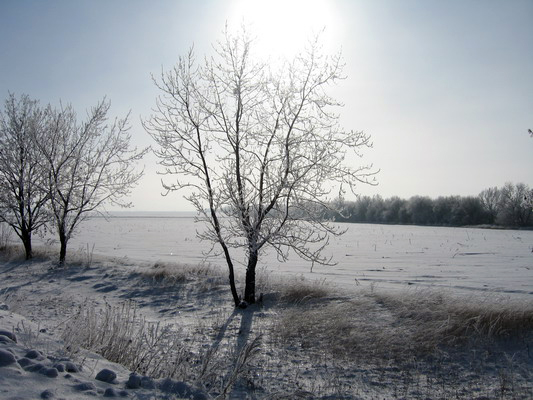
[444, 88]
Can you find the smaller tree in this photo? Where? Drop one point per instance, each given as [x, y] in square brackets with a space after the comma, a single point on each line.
[88, 165]
[22, 198]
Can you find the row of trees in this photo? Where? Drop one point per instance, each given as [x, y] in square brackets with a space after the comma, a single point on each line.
[508, 206]
[55, 170]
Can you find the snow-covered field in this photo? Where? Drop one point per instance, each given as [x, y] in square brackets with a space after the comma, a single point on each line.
[388, 256]
[458, 323]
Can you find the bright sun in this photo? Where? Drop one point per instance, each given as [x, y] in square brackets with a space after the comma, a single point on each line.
[282, 27]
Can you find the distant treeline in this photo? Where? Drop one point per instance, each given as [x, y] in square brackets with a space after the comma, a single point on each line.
[508, 206]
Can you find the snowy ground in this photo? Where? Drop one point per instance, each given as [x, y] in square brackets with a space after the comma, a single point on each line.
[386, 256]
[37, 305]
[346, 338]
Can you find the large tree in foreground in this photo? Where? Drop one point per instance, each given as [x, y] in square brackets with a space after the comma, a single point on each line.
[88, 165]
[22, 198]
[260, 151]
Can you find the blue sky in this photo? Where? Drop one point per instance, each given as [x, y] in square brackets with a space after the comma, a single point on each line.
[445, 88]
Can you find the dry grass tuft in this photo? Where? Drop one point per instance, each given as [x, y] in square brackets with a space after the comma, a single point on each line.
[164, 274]
[121, 335]
[14, 252]
[170, 274]
[298, 290]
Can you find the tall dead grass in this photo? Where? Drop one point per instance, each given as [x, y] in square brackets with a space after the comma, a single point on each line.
[441, 319]
[298, 290]
[169, 274]
[122, 335]
[295, 290]
[400, 325]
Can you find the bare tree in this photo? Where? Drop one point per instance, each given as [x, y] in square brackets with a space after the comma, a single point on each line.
[259, 150]
[491, 202]
[514, 209]
[22, 200]
[88, 165]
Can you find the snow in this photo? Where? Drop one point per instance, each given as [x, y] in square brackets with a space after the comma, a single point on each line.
[389, 256]
[42, 301]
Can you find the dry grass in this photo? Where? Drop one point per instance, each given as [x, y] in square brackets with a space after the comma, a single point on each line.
[122, 335]
[11, 252]
[399, 325]
[440, 319]
[295, 290]
[170, 274]
[6, 235]
[14, 251]
[415, 344]
[346, 329]
[380, 327]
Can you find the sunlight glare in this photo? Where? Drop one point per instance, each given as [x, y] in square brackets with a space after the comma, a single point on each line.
[282, 27]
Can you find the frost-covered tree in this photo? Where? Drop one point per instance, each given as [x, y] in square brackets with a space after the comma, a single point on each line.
[22, 198]
[421, 210]
[88, 165]
[260, 150]
[491, 201]
[514, 208]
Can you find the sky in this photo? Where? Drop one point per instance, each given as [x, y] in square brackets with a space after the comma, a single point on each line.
[445, 88]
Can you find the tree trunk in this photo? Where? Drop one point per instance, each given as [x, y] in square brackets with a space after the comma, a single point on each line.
[236, 299]
[26, 239]
[63, 249]
[249, 290]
